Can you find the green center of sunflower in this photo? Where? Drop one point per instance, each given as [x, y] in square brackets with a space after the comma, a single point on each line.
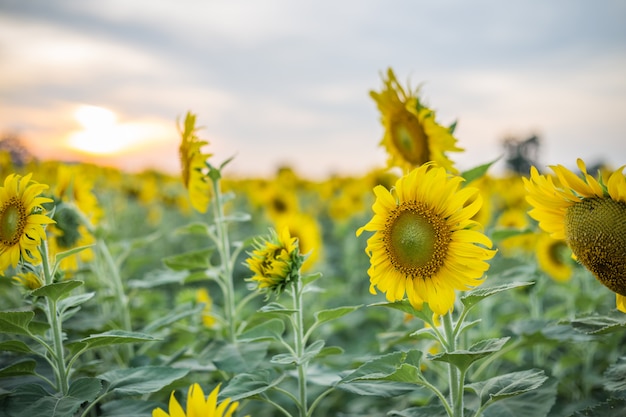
[416, 239]
[595, 229]
[409, 138]
[12, 221]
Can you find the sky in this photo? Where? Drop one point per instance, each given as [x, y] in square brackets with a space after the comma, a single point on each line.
[278, 82]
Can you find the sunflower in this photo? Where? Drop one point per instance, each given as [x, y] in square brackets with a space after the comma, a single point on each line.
[306, 229]
[425, 243]
[21, 220]
[193, 164]
[276, 261]
[198, 406]
[412, 136]
[554, 258]
[589, 215]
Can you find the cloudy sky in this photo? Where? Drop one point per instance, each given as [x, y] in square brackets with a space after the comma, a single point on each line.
[286, 82]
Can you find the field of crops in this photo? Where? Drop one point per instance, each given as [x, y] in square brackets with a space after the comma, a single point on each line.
[414, 290]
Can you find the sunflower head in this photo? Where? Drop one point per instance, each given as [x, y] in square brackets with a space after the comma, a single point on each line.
[588, 214]
[28, 279]
[22, 220]
[276, 262]
[198, 405]
[193, 164]
[412, 136]
[425, 243]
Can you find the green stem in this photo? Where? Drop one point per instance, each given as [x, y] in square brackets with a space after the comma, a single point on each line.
[318, 400]
[298, 331]
[56, 329]
[120, 296]
[223, 245]
[456, 380]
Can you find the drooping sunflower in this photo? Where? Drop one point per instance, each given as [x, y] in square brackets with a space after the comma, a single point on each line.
[193, 164]
[21, 220]
[198, 405]
[425, 244]
[275, 261]
[412, 136]
[589, 215]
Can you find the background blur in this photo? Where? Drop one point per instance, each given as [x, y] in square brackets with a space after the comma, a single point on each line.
[286, 83]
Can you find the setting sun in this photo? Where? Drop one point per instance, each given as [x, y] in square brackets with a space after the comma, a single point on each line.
[102, 134]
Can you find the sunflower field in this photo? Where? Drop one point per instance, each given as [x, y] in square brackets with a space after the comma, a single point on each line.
[414, 290]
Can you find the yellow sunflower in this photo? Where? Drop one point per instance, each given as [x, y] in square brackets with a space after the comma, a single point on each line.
[589, 215]
[21, 220]
[193, 164]
[306, 229]
[198, 406]
[425, 244]
[276, 261]
[412, 136]
[554, 258]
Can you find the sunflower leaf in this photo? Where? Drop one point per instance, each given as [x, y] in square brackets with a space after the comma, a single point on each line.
[477, 172]
[615, 376]
[267, 330]
[425, 314]
[62, 255]
[15, 322]
[473, 297]
[15, 346]
[142, 380]
[23, 367]
[56, 290]
[325, 316]
[462, 359]
[115, 337]
[194, 260]
[508, 385]
[595, 325]
[246, 385]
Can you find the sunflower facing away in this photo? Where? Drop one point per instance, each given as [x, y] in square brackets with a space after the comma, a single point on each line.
[21, 220]
[412, 136]
[425, 244]
[198, 406]
[193, 164]
[589, 215]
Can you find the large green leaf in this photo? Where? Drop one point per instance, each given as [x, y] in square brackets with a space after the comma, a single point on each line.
[268, 330]
[180, 312]
[23, 367]
[62, 255]
[240, 357]
[74, 300]
[15, 346]
[600, 324]
[57, 290]
[396, 366]
[507, 385]
[613, 407]
[536, 403]
[462, 359]
[246, 385]
[31, 400]
[425, 314]
[615, 376]
[15, 322]
[189, 261]
[473, 297]
[115, 337]
[377, 388]
[325, 316]
[142, 380]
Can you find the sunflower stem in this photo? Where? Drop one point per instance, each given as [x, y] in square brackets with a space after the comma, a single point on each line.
[456, 380]
[223, 246]
[55, 322]
[298, 330]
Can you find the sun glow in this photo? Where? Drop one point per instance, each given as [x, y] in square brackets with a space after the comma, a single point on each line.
[102, 134]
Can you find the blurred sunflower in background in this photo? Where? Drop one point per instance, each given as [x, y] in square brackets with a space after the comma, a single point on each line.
[193, 164]
[412, 136]
[425, 244]
[22, 220]
[307, 230]
[589, 215]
